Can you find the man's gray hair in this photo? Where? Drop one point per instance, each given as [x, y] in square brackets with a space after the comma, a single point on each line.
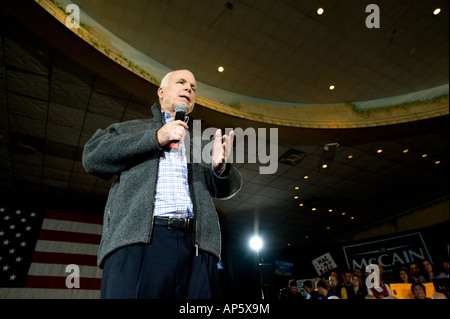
[165, 79]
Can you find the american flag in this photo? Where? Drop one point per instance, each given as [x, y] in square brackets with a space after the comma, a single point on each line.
[36, 248]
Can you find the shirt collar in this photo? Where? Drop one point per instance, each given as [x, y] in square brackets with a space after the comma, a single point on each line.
[168, 118]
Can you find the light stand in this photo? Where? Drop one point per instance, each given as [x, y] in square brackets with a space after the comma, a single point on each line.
[256, 245]
[260, 265]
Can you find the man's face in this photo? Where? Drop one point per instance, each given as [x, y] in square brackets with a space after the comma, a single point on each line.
[419, 293]
[445, 266]
[333, 281]
[180, 88]
[347, 277]
[414, 269]
[358, 272]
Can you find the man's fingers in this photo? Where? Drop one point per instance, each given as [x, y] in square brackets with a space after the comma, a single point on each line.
[218, 133]
[231, 135]
[181, 123]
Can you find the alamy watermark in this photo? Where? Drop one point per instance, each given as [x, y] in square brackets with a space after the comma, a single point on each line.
[373, 279]
[256, 144]
[73, 17]
[73, 279]
[373, 19]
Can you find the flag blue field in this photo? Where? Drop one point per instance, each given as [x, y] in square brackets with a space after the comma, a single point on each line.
[36, 246]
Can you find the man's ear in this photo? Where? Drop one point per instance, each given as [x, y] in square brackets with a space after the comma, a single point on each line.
[160, 92]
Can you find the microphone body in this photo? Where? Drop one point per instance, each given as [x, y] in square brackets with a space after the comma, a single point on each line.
[180, 112]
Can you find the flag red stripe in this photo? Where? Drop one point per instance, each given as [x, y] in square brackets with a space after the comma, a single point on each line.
[74, 217]
[59, 282]
[64, 258]
[67, 236]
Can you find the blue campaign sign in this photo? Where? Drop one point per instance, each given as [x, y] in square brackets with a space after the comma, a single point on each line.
[284, 268]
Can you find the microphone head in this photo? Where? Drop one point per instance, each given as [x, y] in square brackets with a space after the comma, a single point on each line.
[181, 108]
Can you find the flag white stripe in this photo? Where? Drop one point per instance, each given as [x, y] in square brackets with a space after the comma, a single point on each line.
[62, 225]
[37, 293]
[37, 269]
[66, 247]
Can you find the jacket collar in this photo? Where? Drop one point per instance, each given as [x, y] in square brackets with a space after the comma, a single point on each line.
[156, 110]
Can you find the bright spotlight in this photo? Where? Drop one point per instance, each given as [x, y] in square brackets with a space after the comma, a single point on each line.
[256, 243]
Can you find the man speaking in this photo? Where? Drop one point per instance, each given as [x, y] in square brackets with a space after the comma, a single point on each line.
[161, 234]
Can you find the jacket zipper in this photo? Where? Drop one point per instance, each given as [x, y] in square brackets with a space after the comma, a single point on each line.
[154, 194]
[153, 215]
[191, 191]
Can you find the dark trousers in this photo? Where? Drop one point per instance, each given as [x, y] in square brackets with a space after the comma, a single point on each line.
[167, 268]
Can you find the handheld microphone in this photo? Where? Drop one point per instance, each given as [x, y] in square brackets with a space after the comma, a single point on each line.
[180, 112]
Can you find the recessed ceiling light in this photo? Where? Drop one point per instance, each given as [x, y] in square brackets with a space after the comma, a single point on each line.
[405, 150]
[352, 217]
[437, 162]
[330, 210]
[328, 227]
[436, 11]
[320, 11]
[379, 151]
[324, 166]
[313, 209]
[295, 197]
[301, 204]
[350, 156]
[220, 69]
[306, 177]
[343, 214]
[424, 155]
[331, 87]
[296, 187]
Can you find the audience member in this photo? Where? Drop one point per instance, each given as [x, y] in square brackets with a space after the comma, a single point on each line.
[324, 293]
[414, 272]
[347, 277]
[358, 272]
[439, 295]
[326, 280]
[402, 276]
[419, 291]
[428, 270]
[290, 292]
[356, 291]
[346, 283]
[443, 271]
[311, 292]
[335, 286]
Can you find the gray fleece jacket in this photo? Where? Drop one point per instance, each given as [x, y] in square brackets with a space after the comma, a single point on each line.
[130, 152]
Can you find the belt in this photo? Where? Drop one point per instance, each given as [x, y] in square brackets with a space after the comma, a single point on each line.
[184, 224]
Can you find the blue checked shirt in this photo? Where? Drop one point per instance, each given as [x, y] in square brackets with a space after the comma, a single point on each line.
[172, 197]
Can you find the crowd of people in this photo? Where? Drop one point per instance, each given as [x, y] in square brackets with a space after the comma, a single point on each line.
[352, 284]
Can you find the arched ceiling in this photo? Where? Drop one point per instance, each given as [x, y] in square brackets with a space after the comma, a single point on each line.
[283, 51]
